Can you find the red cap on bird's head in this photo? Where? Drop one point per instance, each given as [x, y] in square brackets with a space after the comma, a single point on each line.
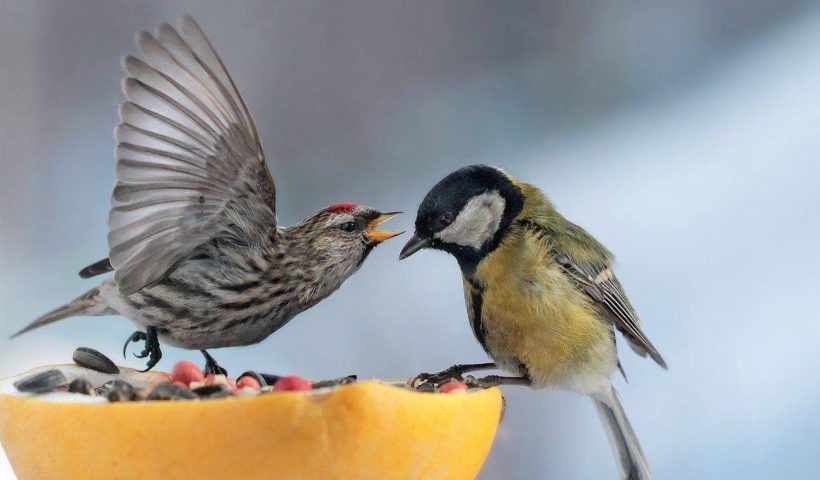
[341, 207]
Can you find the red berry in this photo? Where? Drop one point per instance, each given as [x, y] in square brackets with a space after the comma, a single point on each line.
[292, 384]
[186, 372]
[452, 386]
[248, 381]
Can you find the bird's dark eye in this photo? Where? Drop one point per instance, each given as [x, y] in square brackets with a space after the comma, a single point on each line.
[348, 226]
[446, 218]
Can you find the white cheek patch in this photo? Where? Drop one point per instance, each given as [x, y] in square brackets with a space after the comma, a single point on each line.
[476, 223]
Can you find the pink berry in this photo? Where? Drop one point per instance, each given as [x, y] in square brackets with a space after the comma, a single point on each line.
[292, 384]
[186, 372]
[452, 386]
[248, 381]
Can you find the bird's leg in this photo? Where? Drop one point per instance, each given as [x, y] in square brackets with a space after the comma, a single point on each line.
[456, 372]
[151, 350]
[495, 381]
[211, 366]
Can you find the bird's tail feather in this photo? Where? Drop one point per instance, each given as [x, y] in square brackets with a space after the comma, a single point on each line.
[87, 304]
[631, 460]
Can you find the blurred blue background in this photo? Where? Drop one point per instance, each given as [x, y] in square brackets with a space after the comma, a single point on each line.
[684, 135]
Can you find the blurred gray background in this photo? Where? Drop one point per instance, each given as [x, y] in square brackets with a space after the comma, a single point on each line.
[684, 135]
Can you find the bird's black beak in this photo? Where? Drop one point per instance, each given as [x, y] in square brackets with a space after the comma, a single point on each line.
[415, 244]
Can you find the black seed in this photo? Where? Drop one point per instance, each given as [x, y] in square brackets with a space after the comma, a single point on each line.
[426, 387]
[94, 360]
[208, 390]
[81, 385]
[118, 391]
[219, 394]
[332, 383]
[269, 379]
[170, 391]
[41, 382]
[212, 391]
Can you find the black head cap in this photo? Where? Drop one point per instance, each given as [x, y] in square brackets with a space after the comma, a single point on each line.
[466, 213]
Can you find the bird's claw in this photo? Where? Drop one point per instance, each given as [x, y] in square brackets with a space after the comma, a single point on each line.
[496, 381]
[483, 382]
[151, 350]
[437, 378]
[211, 367]
[215, 368]
[137, 336]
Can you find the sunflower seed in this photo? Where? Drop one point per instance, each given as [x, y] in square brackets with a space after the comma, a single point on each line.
[81, 385]
[170, 391]
[332, 383]
[94, 360]
[209, 391]
[426, 387]
[269, 379]
[41, 382]
[118, 391]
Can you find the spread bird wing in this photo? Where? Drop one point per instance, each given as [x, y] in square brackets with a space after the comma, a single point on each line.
[599, 282]
[190, 167]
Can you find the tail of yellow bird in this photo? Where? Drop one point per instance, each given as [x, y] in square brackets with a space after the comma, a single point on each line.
[625, 446]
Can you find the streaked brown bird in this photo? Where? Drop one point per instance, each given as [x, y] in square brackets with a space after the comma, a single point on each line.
[199, 260]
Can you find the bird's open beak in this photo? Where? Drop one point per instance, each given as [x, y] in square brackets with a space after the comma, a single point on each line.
[413, 245]
[377, 236]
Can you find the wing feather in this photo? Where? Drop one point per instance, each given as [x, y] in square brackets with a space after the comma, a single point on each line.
[598, 281]
[189, 159]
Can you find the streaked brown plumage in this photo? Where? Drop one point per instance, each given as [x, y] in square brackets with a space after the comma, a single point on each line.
[198, 258]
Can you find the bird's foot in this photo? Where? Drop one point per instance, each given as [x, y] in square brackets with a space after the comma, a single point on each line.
[211, 366]
[455, 372]
[438, 378]
[151, 350]
[137, 336]
[495, 381]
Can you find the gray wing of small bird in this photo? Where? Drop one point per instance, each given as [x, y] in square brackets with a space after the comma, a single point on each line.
[599, 282]
[190, 167]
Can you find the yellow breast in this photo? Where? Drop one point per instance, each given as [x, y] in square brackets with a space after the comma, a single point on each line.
[533, 315]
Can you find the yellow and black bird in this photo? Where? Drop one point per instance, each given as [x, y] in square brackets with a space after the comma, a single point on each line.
[541, 295]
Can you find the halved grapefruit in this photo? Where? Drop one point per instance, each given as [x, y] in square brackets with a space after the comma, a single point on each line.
[367, 430]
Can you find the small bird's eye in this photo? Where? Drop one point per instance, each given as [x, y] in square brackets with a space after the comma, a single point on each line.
[348, 226]
[446, 218]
